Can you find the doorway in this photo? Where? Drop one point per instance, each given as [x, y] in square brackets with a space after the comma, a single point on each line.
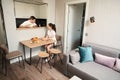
[75, 25]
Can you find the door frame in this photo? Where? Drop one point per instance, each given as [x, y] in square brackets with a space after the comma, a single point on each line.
[67, 18]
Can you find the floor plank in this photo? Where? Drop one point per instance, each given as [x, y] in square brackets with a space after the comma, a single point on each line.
[15, 72]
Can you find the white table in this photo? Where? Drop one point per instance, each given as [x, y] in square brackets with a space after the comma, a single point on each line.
[75, 78]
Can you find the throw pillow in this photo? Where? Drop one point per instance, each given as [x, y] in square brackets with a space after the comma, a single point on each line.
[74, 56]
[104, 60]
[85, 54]
[117, 65]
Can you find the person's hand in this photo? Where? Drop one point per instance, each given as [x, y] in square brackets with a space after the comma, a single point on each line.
[44, 38]
[24, 27]
[35, 26]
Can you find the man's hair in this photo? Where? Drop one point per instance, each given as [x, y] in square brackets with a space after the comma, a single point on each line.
[32, 17]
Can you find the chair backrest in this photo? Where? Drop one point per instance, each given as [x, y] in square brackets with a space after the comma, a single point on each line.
[59, 42]
[4, 49]
[58, 37]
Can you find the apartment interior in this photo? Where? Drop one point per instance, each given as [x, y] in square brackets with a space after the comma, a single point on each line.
[79, 23]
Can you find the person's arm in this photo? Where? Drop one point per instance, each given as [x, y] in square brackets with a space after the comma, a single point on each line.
[35, 25]
[23, 26]
[46, 36]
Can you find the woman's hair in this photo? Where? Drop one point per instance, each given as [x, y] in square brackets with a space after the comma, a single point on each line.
[52, 26]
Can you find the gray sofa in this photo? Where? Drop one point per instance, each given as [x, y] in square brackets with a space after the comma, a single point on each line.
[93, 70]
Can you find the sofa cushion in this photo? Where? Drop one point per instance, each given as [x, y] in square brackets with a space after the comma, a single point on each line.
[85, 54]
[117, 65]
[104, 50]
[74, 56]
[104, 60]
[97, 71]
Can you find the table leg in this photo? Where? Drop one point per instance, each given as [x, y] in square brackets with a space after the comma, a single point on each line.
[30, 56]
[23, 62]
[24, 52]
[25, 55]
[5, 66]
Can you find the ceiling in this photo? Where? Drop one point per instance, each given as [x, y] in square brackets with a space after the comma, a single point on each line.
[37, 2]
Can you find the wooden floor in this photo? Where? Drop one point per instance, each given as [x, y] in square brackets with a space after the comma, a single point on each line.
[15, 72]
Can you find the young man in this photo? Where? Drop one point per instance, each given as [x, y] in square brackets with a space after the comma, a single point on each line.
[29, 23]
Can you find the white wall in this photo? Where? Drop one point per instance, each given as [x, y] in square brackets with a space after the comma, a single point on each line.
[24, 10]
[15, 36]
[51, 11]
[43, 11]
[106, 29]
[60, 16]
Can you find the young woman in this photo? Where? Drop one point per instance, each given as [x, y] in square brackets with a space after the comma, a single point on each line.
[51, 34]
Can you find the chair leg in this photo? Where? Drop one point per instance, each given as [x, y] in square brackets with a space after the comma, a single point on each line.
[55, 58]
[19, 60]
[38, 62]
[41, 64]
[49, 63]
[60, 59]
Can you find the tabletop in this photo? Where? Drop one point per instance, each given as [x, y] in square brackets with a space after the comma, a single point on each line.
[30, 44]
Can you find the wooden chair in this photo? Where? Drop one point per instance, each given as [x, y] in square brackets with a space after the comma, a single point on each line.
[56, 53]
[43, 56]
[59, 42]
[6, 55]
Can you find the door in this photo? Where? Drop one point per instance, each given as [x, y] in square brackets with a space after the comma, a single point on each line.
[75, 26]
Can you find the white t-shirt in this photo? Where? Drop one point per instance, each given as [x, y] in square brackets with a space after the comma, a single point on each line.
[28, 24]
[51, 34]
